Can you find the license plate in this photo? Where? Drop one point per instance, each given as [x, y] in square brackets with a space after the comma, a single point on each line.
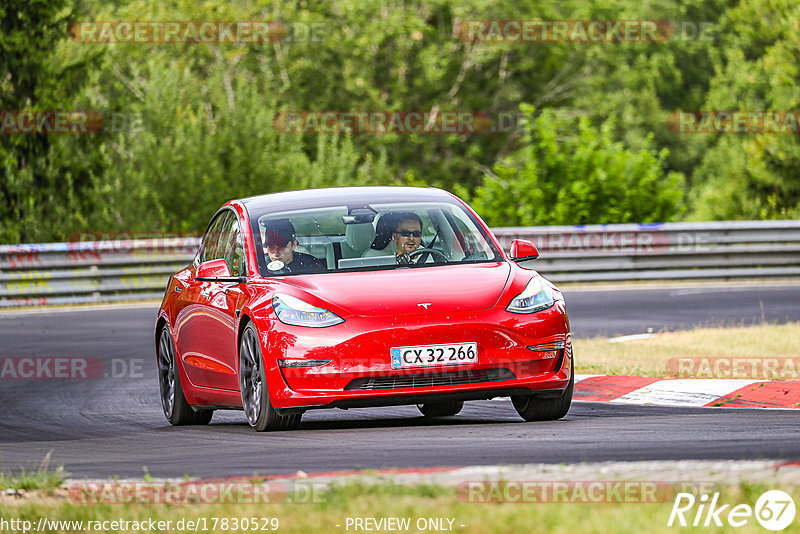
[434, 355]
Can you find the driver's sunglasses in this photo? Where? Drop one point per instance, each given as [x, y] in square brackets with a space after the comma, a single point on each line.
[407, 233]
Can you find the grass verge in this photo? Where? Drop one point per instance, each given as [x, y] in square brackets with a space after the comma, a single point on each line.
[41, 477]
[337, 508]
[650, 357]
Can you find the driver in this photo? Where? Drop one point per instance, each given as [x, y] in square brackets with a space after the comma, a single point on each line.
[280, 243]
[407, 235]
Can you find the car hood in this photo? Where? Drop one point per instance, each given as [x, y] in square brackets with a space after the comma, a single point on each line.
[447, 288]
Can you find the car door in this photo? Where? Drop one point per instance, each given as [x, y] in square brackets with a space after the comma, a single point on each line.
[187, 336]
[205, 332]
[225, 299]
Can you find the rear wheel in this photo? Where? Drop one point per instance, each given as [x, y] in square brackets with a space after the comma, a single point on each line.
[531, 408]
[176, 409]
[253, 385]
[440, 409]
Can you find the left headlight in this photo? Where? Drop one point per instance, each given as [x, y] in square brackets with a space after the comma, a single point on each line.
[292, 310]
[536, 296]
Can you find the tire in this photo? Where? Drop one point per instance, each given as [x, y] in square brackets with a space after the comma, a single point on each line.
[532, 409]
[253, 386]
[440, 409]
[177, 411]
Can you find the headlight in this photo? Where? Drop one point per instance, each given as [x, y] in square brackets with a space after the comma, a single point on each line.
[291, 310]
[537, 296]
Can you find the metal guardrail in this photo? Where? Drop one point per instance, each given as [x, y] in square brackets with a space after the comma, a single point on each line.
[108, 271]
[96, 271]
[719, 250]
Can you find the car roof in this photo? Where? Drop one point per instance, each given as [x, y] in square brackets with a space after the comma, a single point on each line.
[349, 196]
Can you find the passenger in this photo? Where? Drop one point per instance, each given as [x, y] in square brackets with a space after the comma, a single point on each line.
[280, 243]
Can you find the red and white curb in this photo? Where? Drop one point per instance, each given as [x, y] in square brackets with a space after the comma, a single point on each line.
[726, 393]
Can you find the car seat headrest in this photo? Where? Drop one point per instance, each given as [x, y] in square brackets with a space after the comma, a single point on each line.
[359, 236]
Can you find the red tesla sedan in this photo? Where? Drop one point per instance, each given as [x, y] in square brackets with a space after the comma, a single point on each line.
[358, 297]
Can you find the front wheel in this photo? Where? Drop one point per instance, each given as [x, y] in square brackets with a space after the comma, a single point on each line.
[253, 385]
[440, 409]
[531, 408]
[176, 409]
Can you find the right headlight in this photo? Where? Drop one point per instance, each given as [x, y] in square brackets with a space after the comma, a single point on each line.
[291, 310]
[536, 296]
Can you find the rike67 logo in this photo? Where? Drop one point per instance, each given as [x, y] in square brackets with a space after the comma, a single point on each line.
[774, 510]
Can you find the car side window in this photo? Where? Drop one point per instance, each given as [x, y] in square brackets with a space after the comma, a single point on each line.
[231, 246]
[238, 263]
[212, 238]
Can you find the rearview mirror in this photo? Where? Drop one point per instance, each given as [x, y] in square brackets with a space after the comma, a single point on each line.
[216, 270]
[359, 216]
[522, 250]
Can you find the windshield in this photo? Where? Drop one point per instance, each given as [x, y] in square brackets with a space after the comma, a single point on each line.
[369, 237]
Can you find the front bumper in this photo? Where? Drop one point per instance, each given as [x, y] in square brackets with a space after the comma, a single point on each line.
[517, 354]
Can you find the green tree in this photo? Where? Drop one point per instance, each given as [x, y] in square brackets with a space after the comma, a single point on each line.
[206, 132]
[641, 83]
[753, 176]
[201, 127]
[39, 191]
[571, 172]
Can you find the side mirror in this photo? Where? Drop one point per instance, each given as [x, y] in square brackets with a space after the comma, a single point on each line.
[522, 250]
[215, 270]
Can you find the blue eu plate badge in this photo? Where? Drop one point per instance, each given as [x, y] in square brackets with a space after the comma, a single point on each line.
[396, 358]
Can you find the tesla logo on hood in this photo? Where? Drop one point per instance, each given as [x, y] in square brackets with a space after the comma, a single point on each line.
[424, 304]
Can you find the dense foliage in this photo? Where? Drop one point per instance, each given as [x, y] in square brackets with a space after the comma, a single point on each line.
[569, 171]
[193, 124]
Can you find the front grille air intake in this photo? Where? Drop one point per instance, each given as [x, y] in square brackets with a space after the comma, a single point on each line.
[426, 380]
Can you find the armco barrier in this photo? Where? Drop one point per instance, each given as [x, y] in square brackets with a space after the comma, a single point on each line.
[665, 251]
[97, 271]
[108, 271]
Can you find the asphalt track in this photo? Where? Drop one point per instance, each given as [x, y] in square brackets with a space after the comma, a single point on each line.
[113, 425]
